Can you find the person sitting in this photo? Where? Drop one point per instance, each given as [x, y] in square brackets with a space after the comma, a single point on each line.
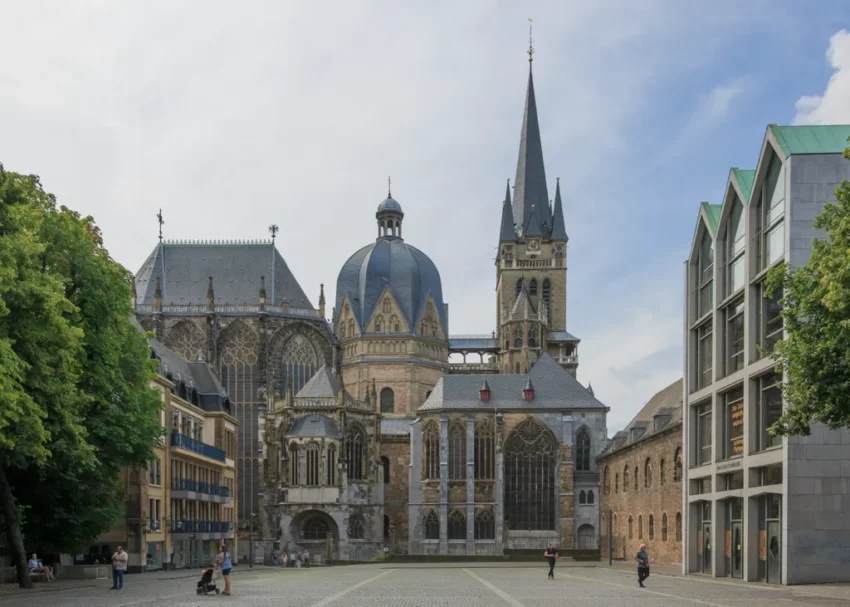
[36, 567]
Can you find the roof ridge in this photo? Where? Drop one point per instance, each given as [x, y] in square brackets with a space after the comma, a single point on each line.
[219, 242]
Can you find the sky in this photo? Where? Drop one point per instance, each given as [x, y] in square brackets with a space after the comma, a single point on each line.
[231, 117]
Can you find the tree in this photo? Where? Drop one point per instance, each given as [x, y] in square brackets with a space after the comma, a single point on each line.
[815, 356]
[76, 402]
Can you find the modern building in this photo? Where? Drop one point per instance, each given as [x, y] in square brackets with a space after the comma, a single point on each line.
[759, 507]
[180, 510]
[641, 499]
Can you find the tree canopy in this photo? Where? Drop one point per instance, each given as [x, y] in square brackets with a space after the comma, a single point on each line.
[815, 356]
[76, 402]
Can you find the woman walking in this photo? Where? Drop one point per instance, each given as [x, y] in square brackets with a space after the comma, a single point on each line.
[223, 561]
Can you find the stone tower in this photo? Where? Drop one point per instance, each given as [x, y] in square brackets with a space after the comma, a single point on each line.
[531, 266]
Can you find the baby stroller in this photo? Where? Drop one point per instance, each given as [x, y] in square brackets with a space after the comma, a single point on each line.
[207, 584]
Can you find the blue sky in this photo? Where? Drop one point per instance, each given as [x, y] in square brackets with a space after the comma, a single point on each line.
[233, 117]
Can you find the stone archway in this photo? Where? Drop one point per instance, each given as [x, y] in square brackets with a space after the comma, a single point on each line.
[309, 529]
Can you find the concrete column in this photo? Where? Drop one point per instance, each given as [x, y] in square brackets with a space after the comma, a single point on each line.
[470, 484]
[718, 538]
[751, 539]
[444, 484]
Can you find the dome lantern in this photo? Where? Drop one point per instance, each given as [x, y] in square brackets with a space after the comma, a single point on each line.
[389, 216]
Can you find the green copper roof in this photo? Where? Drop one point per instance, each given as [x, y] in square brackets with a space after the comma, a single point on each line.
[812, 139]
[712, 214]
[744, 179]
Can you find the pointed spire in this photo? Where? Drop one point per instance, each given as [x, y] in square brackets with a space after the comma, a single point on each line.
[530, 192]
[322, 300]
[559, 232]
[590, 388]
[507, 231]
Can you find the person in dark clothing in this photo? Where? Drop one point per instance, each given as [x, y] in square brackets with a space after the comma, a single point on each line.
[643, 565]
[551, 554]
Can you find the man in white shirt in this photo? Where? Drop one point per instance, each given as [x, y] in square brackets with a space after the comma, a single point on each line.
[119, 566]
[36, 567]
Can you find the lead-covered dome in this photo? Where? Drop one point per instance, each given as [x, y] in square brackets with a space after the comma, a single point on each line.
[389, 204]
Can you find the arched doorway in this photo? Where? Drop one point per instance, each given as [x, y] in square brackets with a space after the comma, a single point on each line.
[310, 530]
[530, 457]
[586, 537]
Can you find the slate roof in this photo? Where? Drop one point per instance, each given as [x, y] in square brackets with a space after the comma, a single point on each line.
[811, 139]
[395, 426]
[390, 262]
[507, 231]
[324, 384]
[553, 336]
[463, 342]
[554, 388]
[559, 231]
[201, 386]
[236, 269]
[662, 412]
[314, 426]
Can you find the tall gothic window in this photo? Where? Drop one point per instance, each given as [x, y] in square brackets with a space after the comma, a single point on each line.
[606, 482]
[351, 328]
[331, 472]
[312, 465]
[583, 450]
[546, 295]
[626, 478]
[485, 525]
[299, 362]
[518, 286]
[457, 451]
[385, 463]
[616, 482]
[678, 526]
[484, 450]
[661, 472]
[387, 400]
[293, 464]
[530, 458]
[431, 442]
[355, 453]
[636, 478]
[457, 525]
[532, 338]
[432, 526]
[640, 526]
[518, 338]
[651, 528]
[664, 527]
[677, 463]
[631, 527]
[532, 287]
[647, 474]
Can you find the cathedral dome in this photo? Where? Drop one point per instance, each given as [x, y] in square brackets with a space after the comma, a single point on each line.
[390, 204]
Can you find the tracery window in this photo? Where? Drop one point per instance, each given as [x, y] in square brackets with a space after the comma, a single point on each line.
[546, 293]
[457, 451]
[532, 288]
[677, 463]
[186, 339]
[457, 525]
[485, 525]
[379, 321]
[484, 450]
[431, 442]
[355, 453]
[518, 338]
[299, 363]
[342, 330]
[351, 327]
[583, 450]
[312, 453]
[532, 338]
[387, 400]
[315, 528]
[432, 526]
[530, 458]
[647, 474]
[331, 472]
[356, 528]
[293, 464]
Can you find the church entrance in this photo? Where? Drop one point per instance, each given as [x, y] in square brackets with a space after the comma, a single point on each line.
[314, 530]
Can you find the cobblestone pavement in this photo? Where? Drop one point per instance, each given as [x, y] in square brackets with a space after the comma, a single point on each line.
[435, 586]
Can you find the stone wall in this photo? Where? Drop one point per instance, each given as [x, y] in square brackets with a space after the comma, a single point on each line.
[396, 491]
[409, 381]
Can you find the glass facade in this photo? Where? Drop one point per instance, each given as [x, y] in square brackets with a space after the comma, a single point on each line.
[702, 452]
[735, 336]
[734, 422]
[769, 409]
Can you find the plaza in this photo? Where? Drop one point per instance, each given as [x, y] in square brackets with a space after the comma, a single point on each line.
[430, 585]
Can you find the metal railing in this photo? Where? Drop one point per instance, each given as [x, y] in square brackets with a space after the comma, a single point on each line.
[188, 484]
[191, 444]
[198, 526]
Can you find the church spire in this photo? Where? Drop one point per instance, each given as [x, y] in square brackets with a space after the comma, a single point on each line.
[507, 231]
[559, 232]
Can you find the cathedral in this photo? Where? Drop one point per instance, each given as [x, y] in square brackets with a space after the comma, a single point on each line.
[370, 430]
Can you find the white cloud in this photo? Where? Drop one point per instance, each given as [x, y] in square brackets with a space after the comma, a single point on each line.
[833, 106]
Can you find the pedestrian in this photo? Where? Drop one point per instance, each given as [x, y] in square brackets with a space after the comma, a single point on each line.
[300, 558]
[119, 566]
[551, 555]
[223, 561]
[643, 565]
[292, 557]
[37, 567]
[306, 557]
[275, 561]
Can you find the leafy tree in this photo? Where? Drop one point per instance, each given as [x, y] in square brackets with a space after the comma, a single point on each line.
[75, 398]
[816, 310]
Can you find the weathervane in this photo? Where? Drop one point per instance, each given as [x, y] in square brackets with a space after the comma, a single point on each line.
[530, 42]
[161, 221]
[273, 230]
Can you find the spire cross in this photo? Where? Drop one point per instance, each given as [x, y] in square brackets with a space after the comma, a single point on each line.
[161, 221]
[389, 187]
[530, 42]
[273, 230]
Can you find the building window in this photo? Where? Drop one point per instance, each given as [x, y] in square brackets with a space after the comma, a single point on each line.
[651, 528]
[385, 462]
[664, 527]
[457, 525]
[532, 338]
[734, 421]
[355, 453]
[530, 461]
[769, 322]
[431, 441]
[702, 416]
[518, 286]
[379, 321]
[387, 400]
[704, 354]
[315, 528]
[677, 466]
[647, 474]
[331, 472]
[606, 482]
[432, 526]
[616, 482]
[769, 409]
[485, 525]
[586, 537]
[640, 526]
[312, 465]
[155, 471]
[661, 472]
[484, 450]
[582, 498]
[704, 275]
[591, 499]
[293, 464]
[771, 212]
[734, 314]
[457, 451]
[532, 287]
[770, 475]
[583, 450]
[518, 340]
[636, 478]
[342, 330]
[735, 239]
[631, 528]
[546, 294]
[626, 478]
[678, 526]
[356, 529]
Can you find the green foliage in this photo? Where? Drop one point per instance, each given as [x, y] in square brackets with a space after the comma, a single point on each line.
[75, 398]
[815, 357]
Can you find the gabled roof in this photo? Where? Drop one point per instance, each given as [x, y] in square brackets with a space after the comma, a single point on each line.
[314, 426]
[324, 384]
[554, 388]
[712, 216]
[811, 139]
[744, 179]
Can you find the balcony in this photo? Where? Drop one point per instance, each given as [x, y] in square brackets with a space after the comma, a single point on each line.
[201, 448]
[186, 488]
[202, 530]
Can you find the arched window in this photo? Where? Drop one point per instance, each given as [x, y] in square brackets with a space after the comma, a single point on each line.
[385, 462]
[355, 453]
[606, 482]
[582, 497]
[617, 482]
[636, 478]
[631, 527]
[664, 527]
[530, 460]
[647, 474]
[640, 526]
[386, 528]
[351, 328]
[379, 321]
[457, 525]
[677, 463]
[293, 464]
[484, 449]
[678, 526]
[315, 528]
[651, 528]
[387, 400]
[485, 525]
[356, 529]
[546, 293]
[532, 338]
[432, 526]
[457, 451]
[331, 472]
[532, 287]
[431, 442]
[661, 472]
[518, 338]
[518, 286]
[591, 499]
[583, 450]
[586, 537]
[312, 465]
[626, 478]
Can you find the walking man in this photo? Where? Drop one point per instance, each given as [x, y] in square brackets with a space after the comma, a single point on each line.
[119, 566]
[551, 554]
[643, 565]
